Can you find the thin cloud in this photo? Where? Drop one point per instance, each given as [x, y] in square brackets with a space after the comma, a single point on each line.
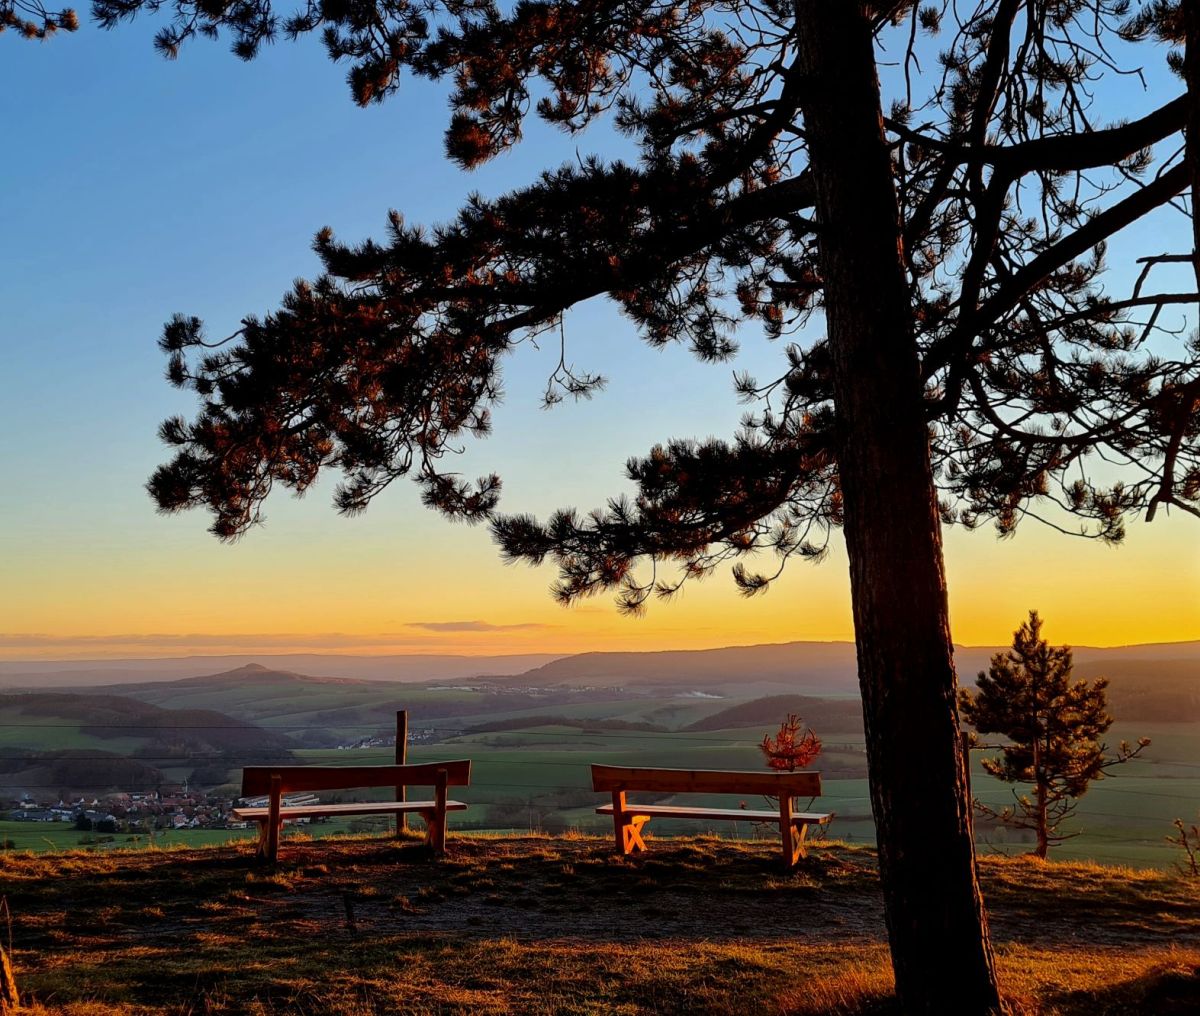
[441, 626]
[195, 640]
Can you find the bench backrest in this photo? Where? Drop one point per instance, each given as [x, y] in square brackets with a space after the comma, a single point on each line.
[706, 781]
[256, 780]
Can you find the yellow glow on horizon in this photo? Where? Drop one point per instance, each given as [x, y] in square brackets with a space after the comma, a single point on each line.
[397, 596]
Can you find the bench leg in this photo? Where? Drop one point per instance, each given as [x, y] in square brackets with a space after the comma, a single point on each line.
[274, 823]
[260, 850]
[440, 789]
[267, 847]
[795, 850]
[631, 833]
[627, 827]
[435, 830]
[429, 817]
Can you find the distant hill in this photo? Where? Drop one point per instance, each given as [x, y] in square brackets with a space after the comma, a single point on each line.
[1148, 682]
[76, 769]
[827, 666]
[587, 725]
[115, 717]
[327, 711]
[91, 742]
[1153, 690]
[400, 667]
[250, 674]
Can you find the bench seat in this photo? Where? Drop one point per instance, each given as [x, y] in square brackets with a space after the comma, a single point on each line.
[353, 808]
[733, 814]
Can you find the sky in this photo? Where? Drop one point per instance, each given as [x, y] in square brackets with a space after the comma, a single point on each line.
[137, 187]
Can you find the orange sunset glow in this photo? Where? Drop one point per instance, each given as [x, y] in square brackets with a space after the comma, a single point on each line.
[347, 597]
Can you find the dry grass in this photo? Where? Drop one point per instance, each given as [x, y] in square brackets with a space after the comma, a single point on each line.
[365, 926]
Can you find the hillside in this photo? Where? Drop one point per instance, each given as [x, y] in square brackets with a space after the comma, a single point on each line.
[827, 667]
[94, 742]
[812, 668]
[1166, 690]
[118, 718]
[390, 668]
[843, 715]
[534, 925]
[235, 680]
[322, 711]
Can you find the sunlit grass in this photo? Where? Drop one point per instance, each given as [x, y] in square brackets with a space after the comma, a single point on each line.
[366, 925]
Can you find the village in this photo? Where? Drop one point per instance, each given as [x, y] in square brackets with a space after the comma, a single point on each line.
[168, 807]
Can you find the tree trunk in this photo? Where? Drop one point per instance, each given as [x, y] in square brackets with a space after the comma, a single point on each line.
[1043, 833]
[938, 933]
[1191, 73]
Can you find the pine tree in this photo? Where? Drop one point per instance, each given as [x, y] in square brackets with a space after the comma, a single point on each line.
[1054, 725]
[934, 247]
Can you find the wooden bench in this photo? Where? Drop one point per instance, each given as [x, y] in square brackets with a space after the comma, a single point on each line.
[275, 781]
[628, 819]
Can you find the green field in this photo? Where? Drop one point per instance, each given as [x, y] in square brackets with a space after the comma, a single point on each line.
[537, 777]
[540, 778]
[45, 837]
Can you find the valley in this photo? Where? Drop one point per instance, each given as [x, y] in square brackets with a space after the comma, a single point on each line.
[533, 735]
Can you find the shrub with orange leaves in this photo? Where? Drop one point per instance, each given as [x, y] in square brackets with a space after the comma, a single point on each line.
[792, 748]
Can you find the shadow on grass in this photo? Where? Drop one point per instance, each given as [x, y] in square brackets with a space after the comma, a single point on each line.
[1171, 989]
[358, 927]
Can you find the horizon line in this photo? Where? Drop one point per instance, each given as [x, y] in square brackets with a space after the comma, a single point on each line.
[276, 652]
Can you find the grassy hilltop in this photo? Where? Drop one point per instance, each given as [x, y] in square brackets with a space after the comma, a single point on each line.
[540, 925]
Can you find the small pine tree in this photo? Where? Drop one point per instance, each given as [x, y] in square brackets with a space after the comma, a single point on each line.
[792, 748]
[1054, 726]
[1188, 840]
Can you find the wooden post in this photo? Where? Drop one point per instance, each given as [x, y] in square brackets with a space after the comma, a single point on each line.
[273, 820]
[439, 836]
[618, 801]
[401, 759]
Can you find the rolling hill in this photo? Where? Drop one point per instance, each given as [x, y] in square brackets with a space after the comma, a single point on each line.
[400, 667]
[1153, 682]
[669, 689]
[1163, 690]
[95, 742]
[827, 667]
[326, 711]
[819, 714]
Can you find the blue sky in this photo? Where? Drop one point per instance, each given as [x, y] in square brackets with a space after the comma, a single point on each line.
[136, 187]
